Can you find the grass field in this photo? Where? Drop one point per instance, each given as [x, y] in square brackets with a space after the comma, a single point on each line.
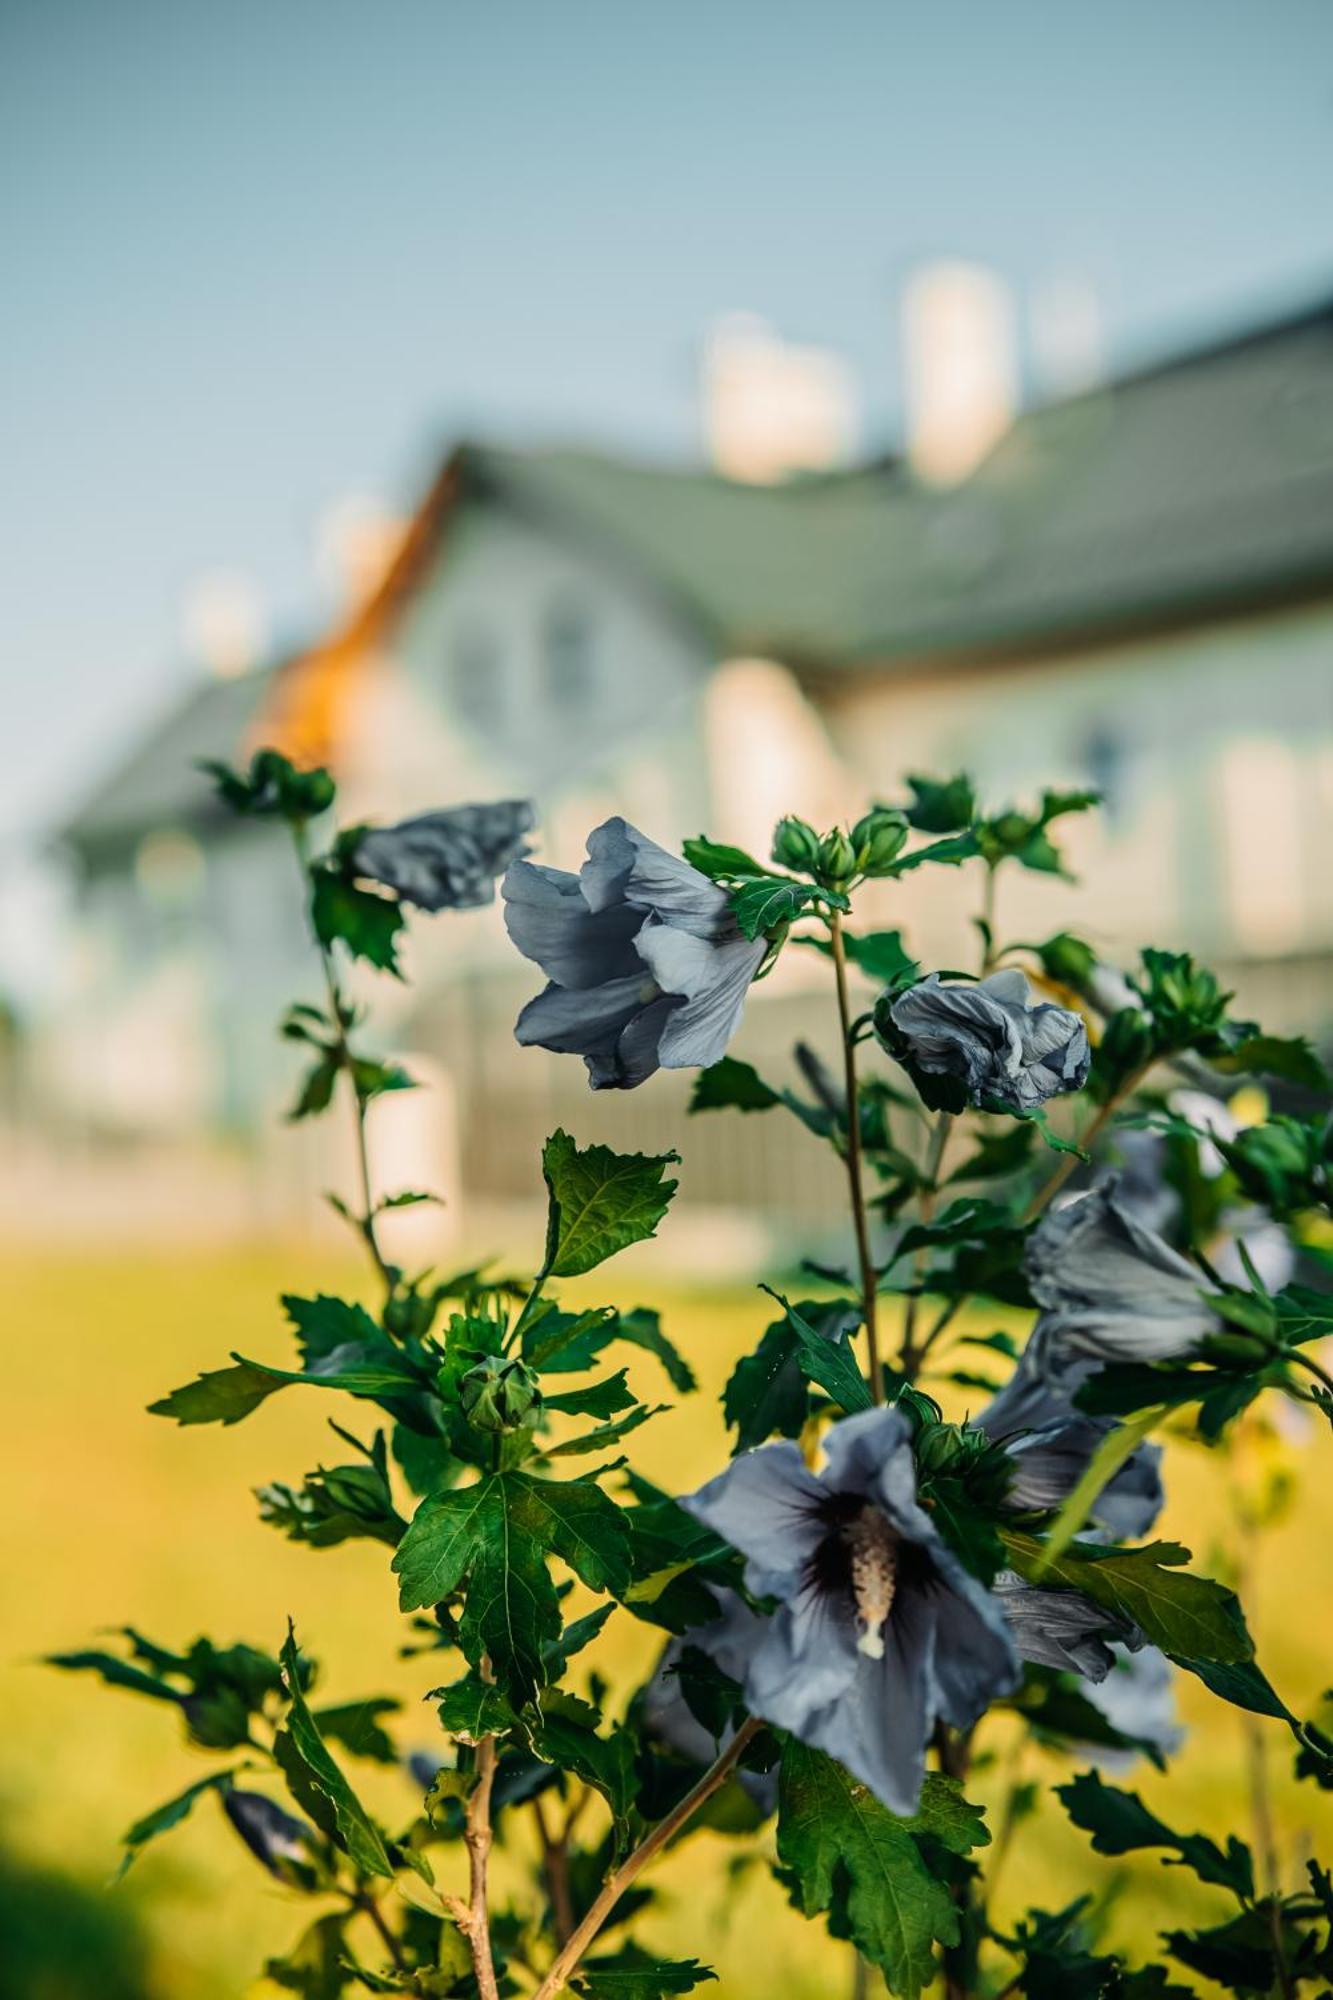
[117, 1516]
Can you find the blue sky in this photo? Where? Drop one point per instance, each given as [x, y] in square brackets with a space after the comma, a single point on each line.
[258, 255]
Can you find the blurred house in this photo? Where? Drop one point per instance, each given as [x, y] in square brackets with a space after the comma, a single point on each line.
[1132, 589]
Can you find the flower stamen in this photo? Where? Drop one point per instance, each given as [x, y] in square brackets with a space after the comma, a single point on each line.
[872, 1548]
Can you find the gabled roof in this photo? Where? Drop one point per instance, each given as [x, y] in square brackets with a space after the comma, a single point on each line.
[158, 783]
[1183, 491]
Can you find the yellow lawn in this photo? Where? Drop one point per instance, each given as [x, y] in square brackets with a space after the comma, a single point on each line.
[114, 1516]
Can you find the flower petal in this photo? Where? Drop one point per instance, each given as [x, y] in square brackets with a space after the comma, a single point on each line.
[766, 1504]
[549, 921]
[714, 980]
[624, 866]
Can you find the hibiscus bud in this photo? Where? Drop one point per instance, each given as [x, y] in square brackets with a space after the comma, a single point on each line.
[1067, 959]
[878, 839]
[837, 860]
[499, 1395]
[796, 845]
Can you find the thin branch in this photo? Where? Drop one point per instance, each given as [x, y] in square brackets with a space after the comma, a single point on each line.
[555, 1863]
[366, 1902]
[855, 1182]
[1304, 1360]
[909, 1360]
[1046, 1194]
[365, 1222]
[631, 1868]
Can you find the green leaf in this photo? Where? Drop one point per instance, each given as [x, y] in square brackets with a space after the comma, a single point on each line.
[997, 1153]
[1290, 1058]
[1120, 1823]
[566, 1736]
[826, 1359]
[766, 1393]
[600, 1202]
[844, 1854]
[730, 1085]
[1188, 1616]
[595, 1399]
[472, 1708]
[1243, 1683]
[880, 955]
[219, 1396]
[495, 1536]
[605, 1434]
[771, 902]
[1114, 1451]
[381, 1372]
[941, 805]
[364, 921]
[317, 1087]
[955, 848]
[115, 1672]
[316, 1781]
[164, 1817]
[642, 1327]
[632, 1974]
[323, 1324]
[718, 861]
[357, 1726]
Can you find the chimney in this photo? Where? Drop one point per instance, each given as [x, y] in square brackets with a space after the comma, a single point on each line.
[771, 408]
[961, 368]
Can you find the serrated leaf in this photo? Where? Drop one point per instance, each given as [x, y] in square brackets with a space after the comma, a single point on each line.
[595, 1399]
[642, 1327]
[631, 1974]
[953, 849]
[472, 1708]
[366, 923]
[605, 1434]
[317, 1087]
[219, 1396]
[566, 1736]
[600, 1202]
[325, 1323]
[846, 1856]
[494, 1536]
[731, 1085]
[316, 1781]
[829, 1362]
[718, 860]
[1191, 1617]
[1120, 1823]
[770, 902]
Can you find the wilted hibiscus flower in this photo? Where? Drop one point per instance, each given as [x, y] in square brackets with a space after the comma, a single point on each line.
[880, 1630]
[986, 1044]
[648, 968]
[446, 860]
[1110, 1290]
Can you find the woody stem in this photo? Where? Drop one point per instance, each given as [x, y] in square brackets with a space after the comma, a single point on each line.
[855, 1181]
[631, 1868]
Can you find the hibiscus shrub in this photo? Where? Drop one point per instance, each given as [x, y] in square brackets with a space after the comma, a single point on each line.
[870, 1594]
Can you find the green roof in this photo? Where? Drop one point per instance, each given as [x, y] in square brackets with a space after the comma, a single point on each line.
[1187, 488]
[1180, 492]
[158, 783]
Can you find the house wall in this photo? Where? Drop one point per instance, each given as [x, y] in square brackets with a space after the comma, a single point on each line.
[1215, 748]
